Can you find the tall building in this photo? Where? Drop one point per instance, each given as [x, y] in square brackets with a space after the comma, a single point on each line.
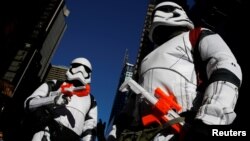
[130, 70]
[145, 44]
[30, 33]
[120, 97]
[31, 42]
[56, 72]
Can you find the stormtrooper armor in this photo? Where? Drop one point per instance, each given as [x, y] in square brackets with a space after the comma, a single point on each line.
[76, 113]
[171, 66]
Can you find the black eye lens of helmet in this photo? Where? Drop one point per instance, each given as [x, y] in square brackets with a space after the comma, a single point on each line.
[75, 65]
[166, 9]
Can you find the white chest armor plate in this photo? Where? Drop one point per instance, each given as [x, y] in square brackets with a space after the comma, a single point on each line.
[170, 67]
[74, 113]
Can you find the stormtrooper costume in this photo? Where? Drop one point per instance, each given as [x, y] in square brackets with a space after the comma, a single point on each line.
[73, 109]
[171, 66]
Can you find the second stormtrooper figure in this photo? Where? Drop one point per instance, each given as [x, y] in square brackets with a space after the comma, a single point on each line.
[195, 65]
[69, 110]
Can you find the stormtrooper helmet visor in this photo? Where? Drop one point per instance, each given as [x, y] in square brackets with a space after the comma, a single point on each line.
[169, 14]
[80, 71]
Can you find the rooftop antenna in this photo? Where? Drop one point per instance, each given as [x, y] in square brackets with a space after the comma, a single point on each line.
[125, 60]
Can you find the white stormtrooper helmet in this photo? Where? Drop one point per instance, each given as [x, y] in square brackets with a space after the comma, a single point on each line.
[80, 70]
[169, 14]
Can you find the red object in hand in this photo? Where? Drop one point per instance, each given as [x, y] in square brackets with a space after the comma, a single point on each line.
[165, 104]
[69, 90]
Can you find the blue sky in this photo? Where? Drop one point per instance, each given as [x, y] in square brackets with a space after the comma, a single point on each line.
[101, 31]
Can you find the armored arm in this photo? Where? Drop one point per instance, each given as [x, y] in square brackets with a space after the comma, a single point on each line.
[43, 96]
[224, 79]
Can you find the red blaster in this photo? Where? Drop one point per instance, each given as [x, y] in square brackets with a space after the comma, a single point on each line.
[163, 110]
[69, 89]
[164, 105]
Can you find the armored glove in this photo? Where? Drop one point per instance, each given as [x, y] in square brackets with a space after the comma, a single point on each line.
[61, 99]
